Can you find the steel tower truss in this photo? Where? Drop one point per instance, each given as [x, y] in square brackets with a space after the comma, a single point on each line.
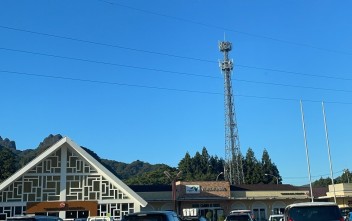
[233, 169]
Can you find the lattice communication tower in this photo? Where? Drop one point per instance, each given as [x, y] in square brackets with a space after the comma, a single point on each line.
[233, 169]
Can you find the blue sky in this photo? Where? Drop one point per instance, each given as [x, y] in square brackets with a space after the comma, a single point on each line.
[139, 80]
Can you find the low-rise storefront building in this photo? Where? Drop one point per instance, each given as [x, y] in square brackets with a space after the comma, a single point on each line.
[219, 198]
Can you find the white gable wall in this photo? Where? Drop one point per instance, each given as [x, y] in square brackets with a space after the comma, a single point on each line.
[64, 173]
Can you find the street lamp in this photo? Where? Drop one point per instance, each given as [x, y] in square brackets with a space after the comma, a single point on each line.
[219, 175]
[173, 180]
[277, 179]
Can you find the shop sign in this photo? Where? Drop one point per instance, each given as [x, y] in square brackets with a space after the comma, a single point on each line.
[191, 189]
[290, 193]
[214, 189]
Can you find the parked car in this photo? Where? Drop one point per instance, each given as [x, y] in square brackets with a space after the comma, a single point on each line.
[240, 215]
[240, 211]
[313, 211]
[151, 216]
[200, 218]
[345, 211]
[80, 219]
[276, 217]
[349, 217]
[100, 218]
[33, 218]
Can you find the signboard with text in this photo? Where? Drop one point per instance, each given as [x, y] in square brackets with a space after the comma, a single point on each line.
[203, 189]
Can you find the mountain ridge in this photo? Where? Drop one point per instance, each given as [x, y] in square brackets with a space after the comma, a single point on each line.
[123, 171]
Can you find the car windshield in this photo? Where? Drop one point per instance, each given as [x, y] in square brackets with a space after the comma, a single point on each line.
[315, 213]
[240, 217]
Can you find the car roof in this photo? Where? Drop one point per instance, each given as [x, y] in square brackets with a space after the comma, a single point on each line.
[238, 214]
[306, 204]
[152, 212]
[240, 211]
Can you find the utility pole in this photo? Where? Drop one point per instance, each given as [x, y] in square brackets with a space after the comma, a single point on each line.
[173, 180]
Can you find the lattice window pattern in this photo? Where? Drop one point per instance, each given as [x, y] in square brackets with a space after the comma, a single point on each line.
[115, 210]
[83, 182]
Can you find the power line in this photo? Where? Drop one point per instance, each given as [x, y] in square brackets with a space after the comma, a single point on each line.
[163, 88]
[321, 175]
[228, 29]
[104, 44]
[171, 72]
[171, 55]
[295, 73]
[296, 86]
[108, 82]
[106, 63]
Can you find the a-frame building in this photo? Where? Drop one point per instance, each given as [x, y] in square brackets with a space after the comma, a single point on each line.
[68, 182]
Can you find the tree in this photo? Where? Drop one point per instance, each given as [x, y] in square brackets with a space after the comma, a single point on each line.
[201, 167]
[346, 177]
[7, 163]
[205, 161]
[251, 168]
[153, 177]
[209, 215]
[185, 165]
[322, 182]
[217, 167]
[270, 169]
[196, 166]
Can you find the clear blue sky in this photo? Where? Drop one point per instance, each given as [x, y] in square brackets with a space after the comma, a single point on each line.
[139, 80]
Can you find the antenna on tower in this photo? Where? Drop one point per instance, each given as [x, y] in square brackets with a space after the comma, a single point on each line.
[233, 169]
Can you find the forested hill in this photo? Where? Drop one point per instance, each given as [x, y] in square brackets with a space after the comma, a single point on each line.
[12, 160]
[200, 167]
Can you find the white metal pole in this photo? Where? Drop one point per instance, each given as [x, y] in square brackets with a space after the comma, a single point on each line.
[307, 155]
[329, 154]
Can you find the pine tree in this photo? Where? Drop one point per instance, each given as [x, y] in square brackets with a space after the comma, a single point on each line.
[252, 168]
[270, 172]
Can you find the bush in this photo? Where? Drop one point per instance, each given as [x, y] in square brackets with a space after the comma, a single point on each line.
[209, 215]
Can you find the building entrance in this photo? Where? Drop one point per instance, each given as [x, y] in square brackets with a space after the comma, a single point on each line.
[210, 211]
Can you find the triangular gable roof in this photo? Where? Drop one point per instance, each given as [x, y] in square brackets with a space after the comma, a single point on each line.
[87, 157]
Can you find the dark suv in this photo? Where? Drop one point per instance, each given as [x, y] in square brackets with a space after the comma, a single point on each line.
[151, 216]
[314, 211]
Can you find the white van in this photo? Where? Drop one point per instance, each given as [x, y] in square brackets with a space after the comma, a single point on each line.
[276, 217]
